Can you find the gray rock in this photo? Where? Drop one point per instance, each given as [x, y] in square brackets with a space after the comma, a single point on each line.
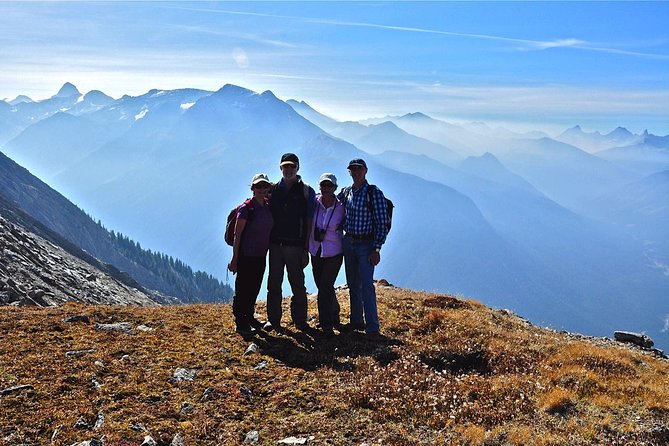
[82, 424]
[261, 365]
[248, 393]
[659, 353]
[293, 440]
[252, 348]
[207, 394]
[149, 441]
[92, 442]
[186, 409]
[634, 338]
[99, 421]
[138, 427]
[77, 353]
[15, 389]
[182, 374]
[252, 437]
[122, 327]
[178, 440]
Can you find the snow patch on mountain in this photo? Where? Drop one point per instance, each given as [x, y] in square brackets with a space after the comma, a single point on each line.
[141, 114]
[187, 105]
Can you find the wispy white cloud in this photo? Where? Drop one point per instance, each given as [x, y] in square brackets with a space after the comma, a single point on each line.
[228, 34]
[240, 57]
[521, 44]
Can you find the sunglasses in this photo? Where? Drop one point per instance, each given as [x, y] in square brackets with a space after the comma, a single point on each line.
[289, 166]
[327, 184]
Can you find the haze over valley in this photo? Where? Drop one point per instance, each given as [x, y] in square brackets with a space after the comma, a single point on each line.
[568, 230]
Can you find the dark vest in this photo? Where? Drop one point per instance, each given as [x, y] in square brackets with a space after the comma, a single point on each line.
[289, 209]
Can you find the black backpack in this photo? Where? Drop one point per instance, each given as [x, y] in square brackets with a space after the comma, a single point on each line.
[370, 192]
[232, 221]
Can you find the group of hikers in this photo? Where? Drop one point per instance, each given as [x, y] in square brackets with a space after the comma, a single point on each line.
[293, 223]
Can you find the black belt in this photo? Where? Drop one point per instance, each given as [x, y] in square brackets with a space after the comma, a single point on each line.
[360, 236]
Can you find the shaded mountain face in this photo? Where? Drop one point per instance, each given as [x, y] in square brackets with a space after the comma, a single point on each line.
[79, 232]
[35, 272]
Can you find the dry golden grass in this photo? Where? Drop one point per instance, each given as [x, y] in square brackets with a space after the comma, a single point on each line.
[450, 371]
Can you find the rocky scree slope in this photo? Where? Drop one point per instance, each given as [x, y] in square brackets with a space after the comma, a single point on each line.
[36, 272]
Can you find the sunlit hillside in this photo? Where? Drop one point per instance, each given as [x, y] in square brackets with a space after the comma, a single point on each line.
[447, 371]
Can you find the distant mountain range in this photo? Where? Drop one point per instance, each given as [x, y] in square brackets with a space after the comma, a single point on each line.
[505, 217]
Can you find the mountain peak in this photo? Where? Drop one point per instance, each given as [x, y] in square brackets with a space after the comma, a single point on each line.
[67, 90]
[235, 90]
[20, 99]
[620, 132]
[416, 115]
[97, 96]
[575, 130]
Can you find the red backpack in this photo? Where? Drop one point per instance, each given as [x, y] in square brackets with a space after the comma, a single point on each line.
[232, 221]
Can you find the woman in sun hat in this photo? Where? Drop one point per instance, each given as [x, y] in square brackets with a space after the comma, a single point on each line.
[249, 253]
[325, 247]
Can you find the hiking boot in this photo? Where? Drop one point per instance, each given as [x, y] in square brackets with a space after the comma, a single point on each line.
[347, 328]
[246, 331]
[374, 336]
[273, 327]
[302, 326]
[255, 323]
[328, 333]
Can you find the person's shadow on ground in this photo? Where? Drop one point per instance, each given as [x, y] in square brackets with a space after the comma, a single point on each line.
[309, 350]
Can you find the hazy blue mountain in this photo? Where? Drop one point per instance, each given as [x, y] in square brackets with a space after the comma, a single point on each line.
[325, 122]
[92, 101]
[582, 262]
[595, 141]
[488, 167]
[67, 90]
[647, 157]
[377, 138]
[500, 132]
[497, 228]
[56, 142]
[10, 126]
[19, 99]
[642, 209]
[170, 181]
[462, 141]
[566, 174]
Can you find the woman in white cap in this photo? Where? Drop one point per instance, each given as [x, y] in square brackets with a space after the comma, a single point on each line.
[325, 247]
[249, 253]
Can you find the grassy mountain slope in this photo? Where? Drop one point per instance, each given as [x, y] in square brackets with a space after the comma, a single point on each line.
[449, 371]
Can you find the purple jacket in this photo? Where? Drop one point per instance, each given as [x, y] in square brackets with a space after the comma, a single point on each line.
[329, 219]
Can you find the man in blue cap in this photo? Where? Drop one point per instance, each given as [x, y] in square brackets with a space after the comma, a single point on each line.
[365, 231]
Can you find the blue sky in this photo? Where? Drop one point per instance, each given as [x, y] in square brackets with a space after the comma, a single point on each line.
[524, 65]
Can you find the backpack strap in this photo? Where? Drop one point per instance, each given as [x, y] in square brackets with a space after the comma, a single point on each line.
[370, 200]
[249, 203]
